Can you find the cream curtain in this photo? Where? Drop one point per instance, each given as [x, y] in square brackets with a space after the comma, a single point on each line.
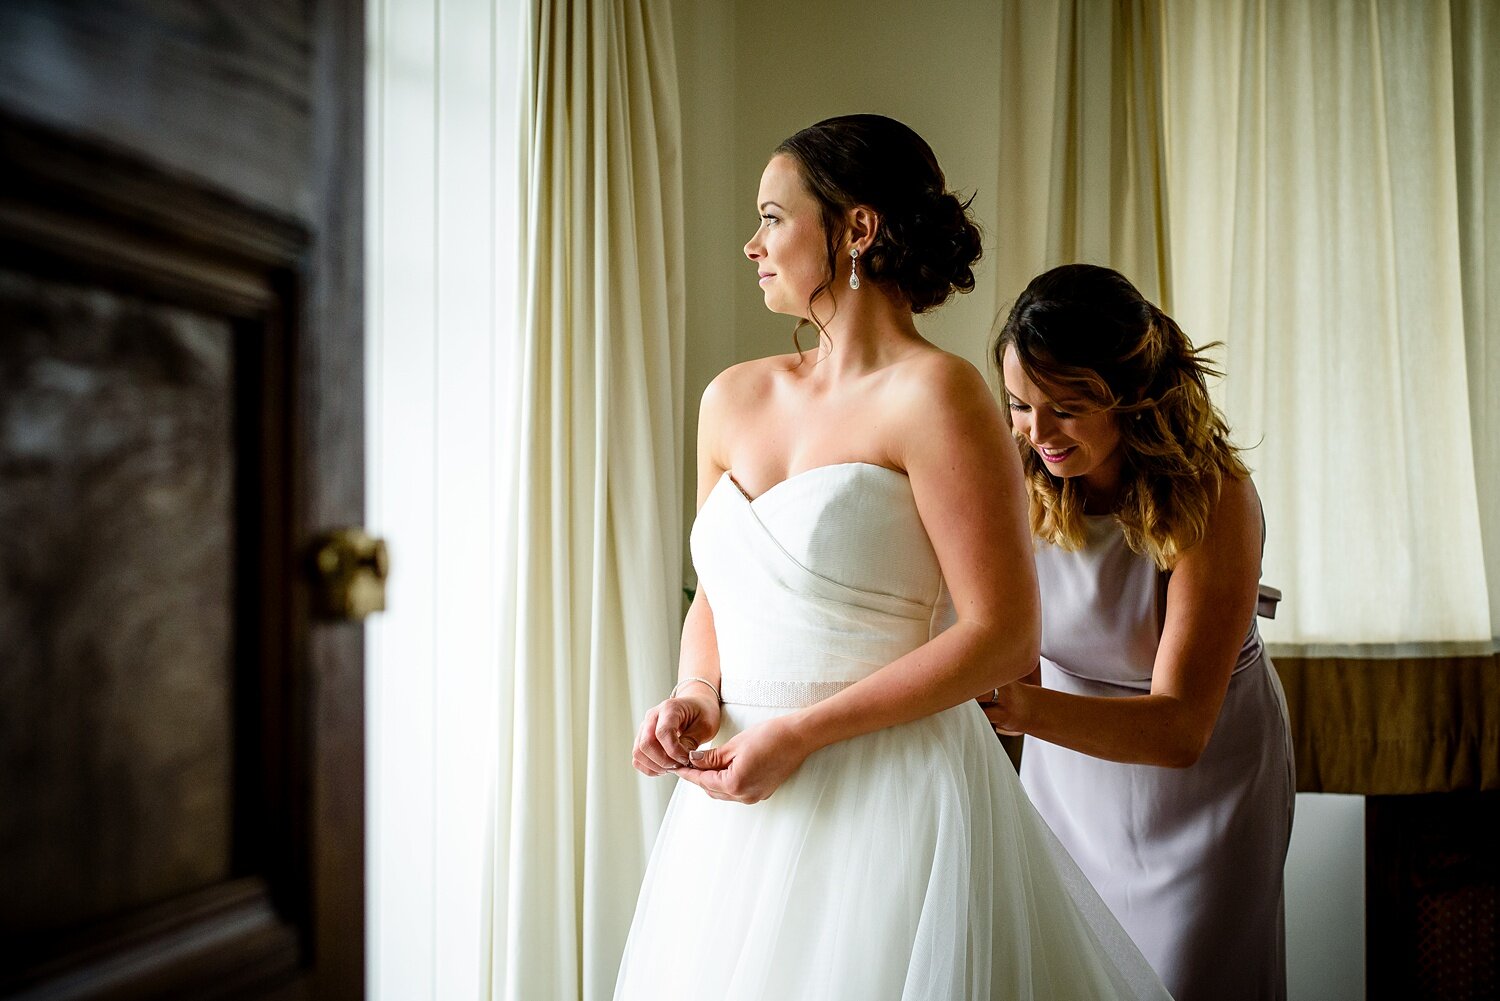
[1476, 99]
[1082, 171]
[591, 547]
[1321, 207]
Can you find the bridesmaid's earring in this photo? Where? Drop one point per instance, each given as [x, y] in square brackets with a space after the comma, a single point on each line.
[854, 268]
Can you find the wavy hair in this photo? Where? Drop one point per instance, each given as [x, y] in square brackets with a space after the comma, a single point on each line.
[1088, 329]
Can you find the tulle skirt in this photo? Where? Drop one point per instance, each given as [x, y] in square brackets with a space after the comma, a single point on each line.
[903, 864]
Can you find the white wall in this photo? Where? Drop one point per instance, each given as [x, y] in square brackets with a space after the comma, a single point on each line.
[440, 217]
[704, 37]
[932, 66]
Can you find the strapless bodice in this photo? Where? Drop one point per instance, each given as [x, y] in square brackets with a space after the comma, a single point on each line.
[828, 576]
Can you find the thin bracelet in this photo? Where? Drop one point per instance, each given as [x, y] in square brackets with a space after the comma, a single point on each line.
[702, 681]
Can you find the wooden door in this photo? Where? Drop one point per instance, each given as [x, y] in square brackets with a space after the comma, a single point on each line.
[181, 398]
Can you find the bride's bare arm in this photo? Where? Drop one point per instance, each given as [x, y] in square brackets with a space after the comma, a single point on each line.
[675, 727]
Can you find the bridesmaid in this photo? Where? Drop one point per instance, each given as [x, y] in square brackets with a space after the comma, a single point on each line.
[1161, 755]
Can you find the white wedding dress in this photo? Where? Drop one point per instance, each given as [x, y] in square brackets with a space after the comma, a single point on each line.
[902, 864]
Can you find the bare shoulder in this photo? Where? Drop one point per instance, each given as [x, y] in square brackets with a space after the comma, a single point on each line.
[1234, 530]
[942, 367]
[944, 415]
[732, 400]
[747, 382]
[965, 474]
[936, 385]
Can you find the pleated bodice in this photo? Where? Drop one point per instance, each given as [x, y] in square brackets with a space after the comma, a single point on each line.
[834, 574]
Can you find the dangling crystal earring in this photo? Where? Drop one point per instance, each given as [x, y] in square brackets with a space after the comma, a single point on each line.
[854, 268]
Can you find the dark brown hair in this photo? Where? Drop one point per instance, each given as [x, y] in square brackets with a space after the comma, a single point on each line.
[926, 244]
[1088, 329]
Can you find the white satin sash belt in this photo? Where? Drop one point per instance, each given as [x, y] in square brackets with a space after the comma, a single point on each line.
[778, 694]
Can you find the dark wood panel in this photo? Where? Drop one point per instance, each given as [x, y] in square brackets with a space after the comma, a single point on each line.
[332, 409]
[1433, 896]
[220, 943]
[205, 158]
[217, 89]
[116, 525]
[70, 201]
[184, 869]
[1396, 726]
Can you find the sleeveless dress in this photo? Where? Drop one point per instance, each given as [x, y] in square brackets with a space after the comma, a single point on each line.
[1189, 859]
[900, 864]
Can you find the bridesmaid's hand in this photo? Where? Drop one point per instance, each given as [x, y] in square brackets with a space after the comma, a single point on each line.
[672, 730]
[751, 765]
[1007, 709]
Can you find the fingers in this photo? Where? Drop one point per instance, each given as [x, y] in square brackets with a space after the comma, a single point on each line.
[1000, 721]
[719, 784]
[707, 772]
[662, 744]
[649, 757]
[670, 724]
[720, 772]
[713, 759]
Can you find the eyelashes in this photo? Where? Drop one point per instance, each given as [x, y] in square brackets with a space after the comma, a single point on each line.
[1022, 408]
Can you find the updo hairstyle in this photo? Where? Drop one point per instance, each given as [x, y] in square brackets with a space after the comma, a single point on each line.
[926, 244]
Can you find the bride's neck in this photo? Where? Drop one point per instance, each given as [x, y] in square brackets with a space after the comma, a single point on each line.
[868, 332]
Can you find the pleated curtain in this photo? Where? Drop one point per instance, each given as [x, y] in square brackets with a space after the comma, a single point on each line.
[1082, 173]
[591, 549]
[1335, 254]
[1475, 28]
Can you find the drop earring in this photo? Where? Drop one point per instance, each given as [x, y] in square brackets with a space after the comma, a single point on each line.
[854, 268]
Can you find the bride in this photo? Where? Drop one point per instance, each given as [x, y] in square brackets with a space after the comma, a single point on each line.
[865, 572]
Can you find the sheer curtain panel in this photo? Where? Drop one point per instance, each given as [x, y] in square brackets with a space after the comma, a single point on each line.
[1327, 234]
[1476, 101]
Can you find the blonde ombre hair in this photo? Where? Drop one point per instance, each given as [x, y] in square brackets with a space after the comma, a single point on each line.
[1088, 329]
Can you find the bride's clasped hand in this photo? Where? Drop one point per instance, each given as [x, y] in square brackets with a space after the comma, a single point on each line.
[751, 765]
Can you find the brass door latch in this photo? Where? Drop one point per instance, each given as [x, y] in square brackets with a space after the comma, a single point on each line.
[351, 568]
